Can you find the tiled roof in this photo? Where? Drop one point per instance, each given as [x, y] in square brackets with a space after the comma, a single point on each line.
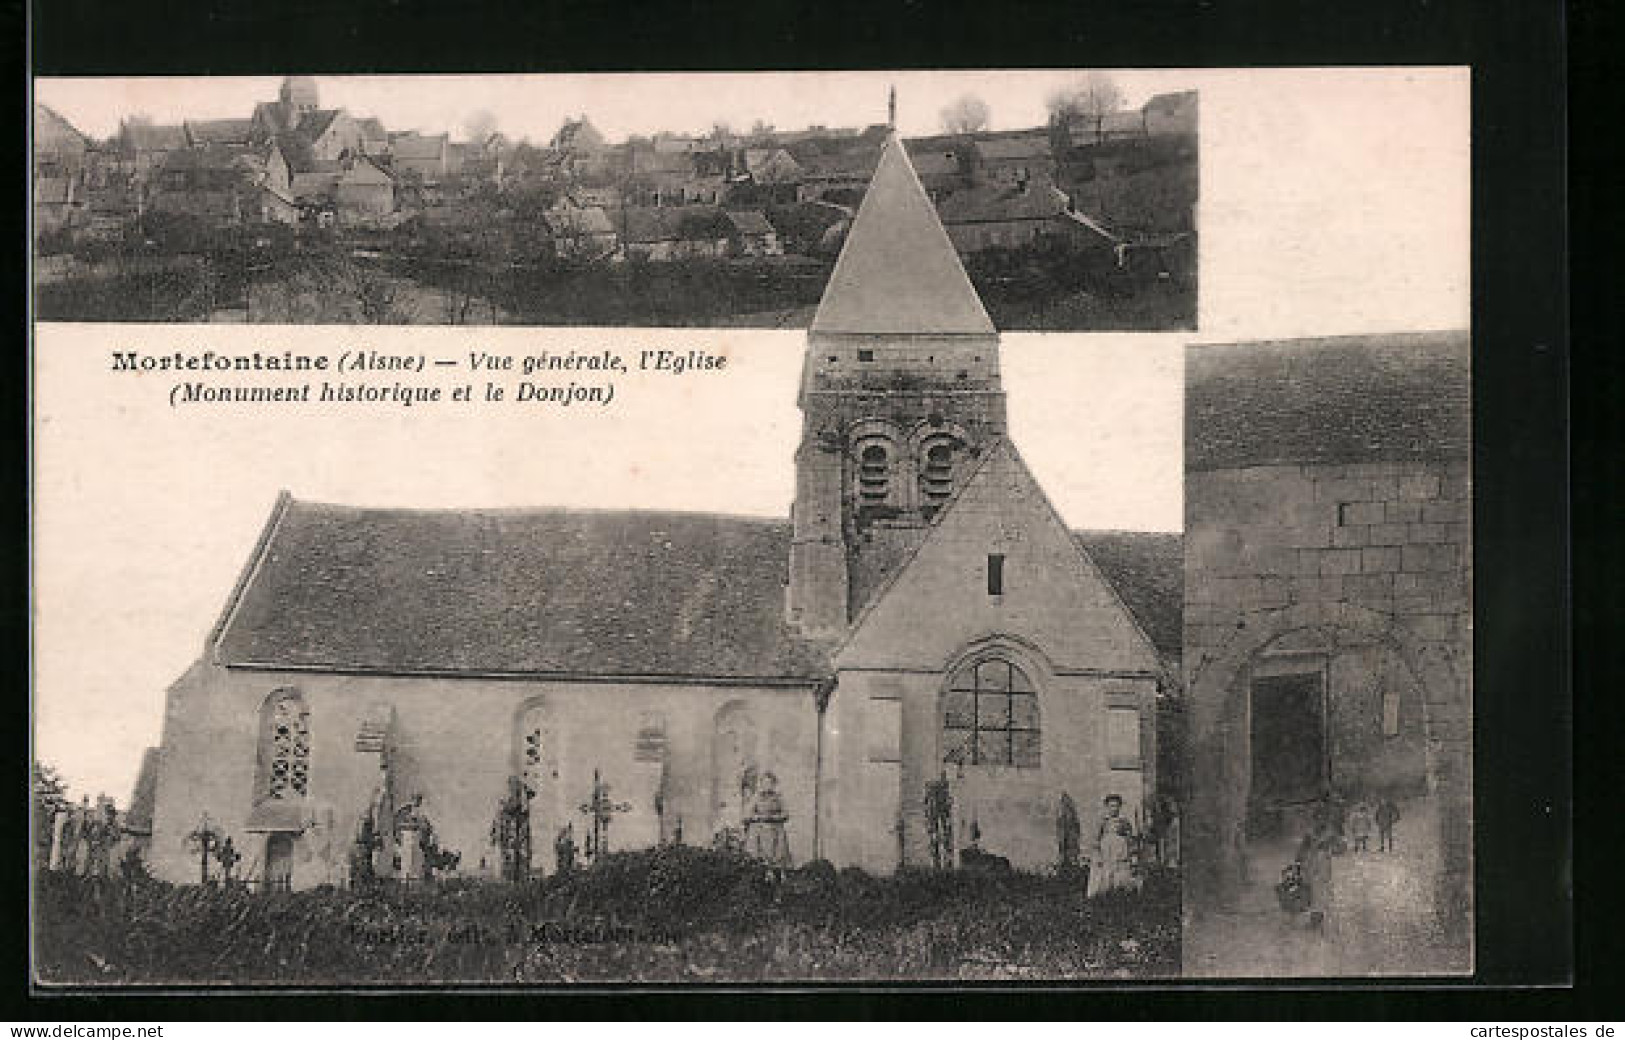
[1013, 147]
[1147, 568]
[520, 591]
[580, 220]
[649, 224]
[208, 158]
[52, 132]
[314, 124]
[145, 137]
[221, 131]
[554, 591]
[418, 146]
[849, 163]
[1349, 399]
[750, 222]
[898, 272]
[995, 202]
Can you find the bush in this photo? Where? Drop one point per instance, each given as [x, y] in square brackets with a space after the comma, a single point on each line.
[670, 913]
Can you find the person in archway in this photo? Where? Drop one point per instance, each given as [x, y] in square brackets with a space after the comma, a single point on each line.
[1387, 816]
[1360, 825]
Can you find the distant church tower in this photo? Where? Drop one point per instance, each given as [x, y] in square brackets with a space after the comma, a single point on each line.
[900, 392]
[299, 94]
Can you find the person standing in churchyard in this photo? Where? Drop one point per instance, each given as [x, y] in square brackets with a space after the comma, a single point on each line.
[1112, 861]
[764, 827]
[1387, 816]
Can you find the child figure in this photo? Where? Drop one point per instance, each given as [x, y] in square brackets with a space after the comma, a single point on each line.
[1292, 892]
[1387, 816]
[1361, 823]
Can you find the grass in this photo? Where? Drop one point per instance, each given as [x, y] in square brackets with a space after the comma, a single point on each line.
[673, 914]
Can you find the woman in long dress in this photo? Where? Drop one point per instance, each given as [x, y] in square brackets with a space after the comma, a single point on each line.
[1112, 862]
[764, 826]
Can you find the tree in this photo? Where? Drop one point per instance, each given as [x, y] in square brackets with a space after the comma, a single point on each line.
[1090, 100]
[966, 115]
[50, 790]
[479, 126]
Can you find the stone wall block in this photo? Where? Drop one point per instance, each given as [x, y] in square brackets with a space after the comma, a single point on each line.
[1419, 486]
[1374, 561]
[1387, 534]
[1351, 537]
[1402, 512]
[1446, 511]
[1340, 561]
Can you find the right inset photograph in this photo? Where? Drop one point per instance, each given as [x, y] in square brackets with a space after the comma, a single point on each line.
[1328, 656]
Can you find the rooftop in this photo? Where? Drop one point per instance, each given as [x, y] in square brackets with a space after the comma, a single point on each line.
[1348, 399]
[565, 592]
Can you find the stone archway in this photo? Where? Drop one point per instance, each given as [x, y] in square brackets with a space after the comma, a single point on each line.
[1219, 743]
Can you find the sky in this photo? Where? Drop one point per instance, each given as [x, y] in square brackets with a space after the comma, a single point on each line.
[1332, 202]
[618, 104]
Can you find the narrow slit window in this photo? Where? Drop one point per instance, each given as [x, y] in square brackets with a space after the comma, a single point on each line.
[995, 574]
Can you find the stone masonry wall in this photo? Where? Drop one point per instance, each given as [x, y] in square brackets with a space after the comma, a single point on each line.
[1379, 552]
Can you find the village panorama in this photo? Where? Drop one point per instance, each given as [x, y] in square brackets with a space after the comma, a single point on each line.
[305, 214]
[917, 727]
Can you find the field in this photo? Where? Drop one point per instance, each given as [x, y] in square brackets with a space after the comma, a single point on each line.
[674, 914]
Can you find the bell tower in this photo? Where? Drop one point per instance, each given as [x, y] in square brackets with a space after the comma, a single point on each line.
[900, 393]
[298, 94]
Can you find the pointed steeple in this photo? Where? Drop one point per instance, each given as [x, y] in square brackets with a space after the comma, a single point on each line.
[898, 272]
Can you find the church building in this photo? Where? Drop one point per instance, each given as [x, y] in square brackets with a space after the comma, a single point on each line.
[924, 615]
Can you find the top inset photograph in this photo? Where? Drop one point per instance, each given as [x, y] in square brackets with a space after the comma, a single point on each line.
[659, 199]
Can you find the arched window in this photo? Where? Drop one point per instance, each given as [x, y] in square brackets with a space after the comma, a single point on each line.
[990, 716]
[874, 475]
[936, 473]
[285, 746]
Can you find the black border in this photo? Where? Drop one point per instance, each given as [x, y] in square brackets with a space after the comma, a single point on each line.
[1521, 358]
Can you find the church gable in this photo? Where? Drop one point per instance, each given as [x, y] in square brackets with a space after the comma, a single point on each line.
[1000, 562]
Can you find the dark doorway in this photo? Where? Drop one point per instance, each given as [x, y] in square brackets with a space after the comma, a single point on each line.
[1288, 746]
[279, 862]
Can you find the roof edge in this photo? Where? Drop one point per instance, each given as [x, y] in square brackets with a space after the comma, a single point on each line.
[675, 679]
[284, 500]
